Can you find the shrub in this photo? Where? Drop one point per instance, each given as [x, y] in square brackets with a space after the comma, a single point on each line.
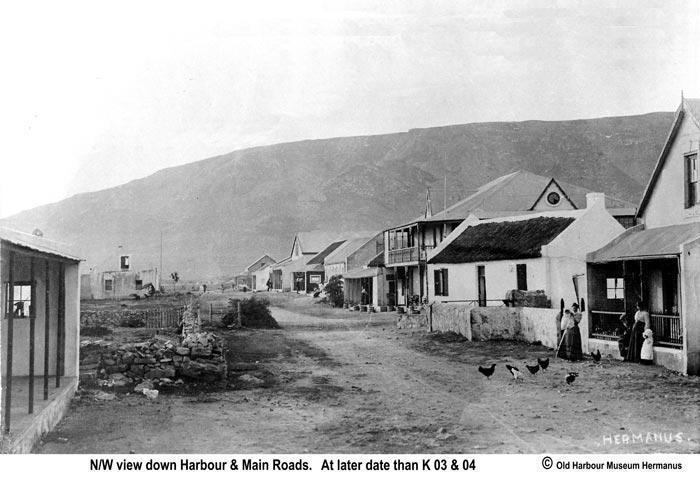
[255, 313]
[132, 321]
[334, 291]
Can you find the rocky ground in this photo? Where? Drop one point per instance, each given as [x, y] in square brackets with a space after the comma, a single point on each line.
[353, 383]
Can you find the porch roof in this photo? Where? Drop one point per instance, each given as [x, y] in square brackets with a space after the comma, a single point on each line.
[639, 243]
[37, 243]
[362, 273]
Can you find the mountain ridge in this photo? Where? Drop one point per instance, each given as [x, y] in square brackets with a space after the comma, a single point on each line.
[218, 213]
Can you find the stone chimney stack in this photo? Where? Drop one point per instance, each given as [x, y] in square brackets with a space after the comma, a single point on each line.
[595, 200]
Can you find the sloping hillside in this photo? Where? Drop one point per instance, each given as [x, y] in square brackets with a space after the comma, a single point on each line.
[218, 214]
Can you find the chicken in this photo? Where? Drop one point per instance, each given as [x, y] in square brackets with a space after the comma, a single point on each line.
[514, 371]
[596, 356]
[533, 369]
[487, 371]
[543, 362]
[570, 377]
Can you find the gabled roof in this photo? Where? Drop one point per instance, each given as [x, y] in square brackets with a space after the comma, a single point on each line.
[37, 243]
[348, 247]
[313, 242]
[319, 258]
[271, 261]
[640, 243]
[513, 192]
[689, 106]
[492, 241]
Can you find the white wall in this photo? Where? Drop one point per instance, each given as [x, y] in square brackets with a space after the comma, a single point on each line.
[666, 205]
[690, 305]
[20, 355]
[500, 277]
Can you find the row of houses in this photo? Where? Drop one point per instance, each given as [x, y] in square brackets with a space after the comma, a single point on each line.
[527, 232]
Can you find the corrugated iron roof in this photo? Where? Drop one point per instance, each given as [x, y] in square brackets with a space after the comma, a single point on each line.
[513, 192]
[347, 248]
[638, 243]
[320, 257]
[37, 243]
[361, 273]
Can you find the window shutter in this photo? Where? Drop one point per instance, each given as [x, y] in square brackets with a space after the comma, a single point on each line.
[686, 182]
[445, 286]
[436, 280]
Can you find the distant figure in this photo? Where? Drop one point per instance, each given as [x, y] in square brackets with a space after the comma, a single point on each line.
[363, 296]
[204, 288]
[570, 345]
[646, 355]
[269, 285]
[642, 321]
[19, 309]
[624, 330]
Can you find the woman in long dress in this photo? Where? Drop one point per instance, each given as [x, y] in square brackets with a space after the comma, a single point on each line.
[570, 348]
[642, 321]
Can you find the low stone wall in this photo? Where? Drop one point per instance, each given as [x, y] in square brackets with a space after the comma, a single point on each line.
[122, 366]
[452, 318]
[199, 356]
[412, 321]
[528, 324]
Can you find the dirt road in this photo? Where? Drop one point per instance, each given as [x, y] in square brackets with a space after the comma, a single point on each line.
[356, 384]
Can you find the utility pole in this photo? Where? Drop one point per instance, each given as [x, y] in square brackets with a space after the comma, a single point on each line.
[444, 191]
[160, 270]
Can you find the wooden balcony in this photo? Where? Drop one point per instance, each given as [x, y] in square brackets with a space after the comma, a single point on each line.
[403, 255]
[408, 254]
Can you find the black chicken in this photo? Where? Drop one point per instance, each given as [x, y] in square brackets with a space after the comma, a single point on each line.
[596, 356]
[533, 369]
[487, 371]
[570, 377]
[544, 362]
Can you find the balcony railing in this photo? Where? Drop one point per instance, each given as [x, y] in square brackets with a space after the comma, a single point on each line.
[408, 254]
[667, 329]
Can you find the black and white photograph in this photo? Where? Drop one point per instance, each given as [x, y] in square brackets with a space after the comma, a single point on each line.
[325, 229]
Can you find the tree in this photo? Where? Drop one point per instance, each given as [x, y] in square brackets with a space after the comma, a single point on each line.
[175, 277]
[334, 291]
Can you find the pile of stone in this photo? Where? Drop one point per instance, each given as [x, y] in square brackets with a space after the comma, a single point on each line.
[190, 319]
[161, 361]
[527, 298]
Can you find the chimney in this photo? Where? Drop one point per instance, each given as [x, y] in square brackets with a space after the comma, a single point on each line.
[595, 200]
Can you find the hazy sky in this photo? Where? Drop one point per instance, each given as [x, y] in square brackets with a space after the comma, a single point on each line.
[98, 93]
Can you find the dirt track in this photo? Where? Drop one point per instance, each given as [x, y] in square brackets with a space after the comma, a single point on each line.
[359, 385]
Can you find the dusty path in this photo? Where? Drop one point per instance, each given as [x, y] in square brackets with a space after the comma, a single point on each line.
[358, 385]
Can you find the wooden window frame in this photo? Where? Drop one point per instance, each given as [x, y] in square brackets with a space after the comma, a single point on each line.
[32, 300]
[517, 275]
[617, 286]
[690, 183]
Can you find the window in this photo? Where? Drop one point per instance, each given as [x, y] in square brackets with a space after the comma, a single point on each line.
[615, 287]
[124, 262]
[553, 198]
[21, 300]
[692, 196]
[138, 284]
[521, 273]
[441, 284]
[108, 284]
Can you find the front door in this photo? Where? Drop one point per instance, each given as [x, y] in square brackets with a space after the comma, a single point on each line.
[481, 278]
